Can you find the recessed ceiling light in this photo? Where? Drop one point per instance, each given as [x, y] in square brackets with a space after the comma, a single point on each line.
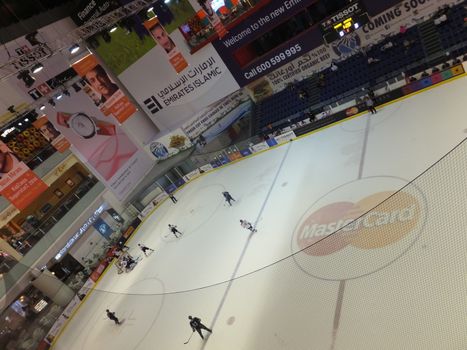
[37, 68]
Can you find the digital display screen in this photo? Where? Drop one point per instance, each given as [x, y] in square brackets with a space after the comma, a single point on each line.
[344, 22]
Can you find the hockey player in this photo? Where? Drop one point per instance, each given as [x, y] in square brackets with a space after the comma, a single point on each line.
[174, 230]
[111, 316]
[228, 197]
[197, 326]
[145, 249]
[247, 225]
[172, 197]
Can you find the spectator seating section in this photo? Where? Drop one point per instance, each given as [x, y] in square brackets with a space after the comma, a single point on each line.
[355, 72]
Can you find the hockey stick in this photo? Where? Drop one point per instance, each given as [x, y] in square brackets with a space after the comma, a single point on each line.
[189, 338]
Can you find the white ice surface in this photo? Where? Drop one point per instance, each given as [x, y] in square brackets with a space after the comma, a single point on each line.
[413, 303]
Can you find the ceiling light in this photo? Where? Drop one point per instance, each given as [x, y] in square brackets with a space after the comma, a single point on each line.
[74, 49]
[113, 29]
[166, 1]
[20, 124]
[151, 9]
[42, 107]
[37, 68]
[59, 96]
[26, 119]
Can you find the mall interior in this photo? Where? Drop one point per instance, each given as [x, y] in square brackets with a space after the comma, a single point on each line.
[108, 106]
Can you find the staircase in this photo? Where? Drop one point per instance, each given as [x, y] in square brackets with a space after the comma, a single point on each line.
[314, 95]
[430, 38]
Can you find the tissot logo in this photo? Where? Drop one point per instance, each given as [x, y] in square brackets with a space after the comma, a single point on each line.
[27, 56]
[345, 13]
[152, 104]
[358, 228]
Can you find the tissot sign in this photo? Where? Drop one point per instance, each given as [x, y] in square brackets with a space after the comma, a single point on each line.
[351, 10]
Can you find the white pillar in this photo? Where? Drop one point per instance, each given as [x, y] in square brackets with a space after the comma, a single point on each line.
[52, 287]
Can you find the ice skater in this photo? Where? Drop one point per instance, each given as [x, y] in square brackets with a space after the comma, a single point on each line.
[172, 197]
[174, 230]
[111, 316]
[228, 197]
[145, 249]
[197, 326]
[247, 225]
[370, 104]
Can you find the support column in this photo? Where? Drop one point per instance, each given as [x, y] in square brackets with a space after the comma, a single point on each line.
[52, 287]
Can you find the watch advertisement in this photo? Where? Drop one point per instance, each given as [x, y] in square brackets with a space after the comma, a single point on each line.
[19, 184]
[100, 142]
[104, 93]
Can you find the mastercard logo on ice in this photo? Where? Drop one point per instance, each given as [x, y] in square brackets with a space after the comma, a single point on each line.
[357, 223]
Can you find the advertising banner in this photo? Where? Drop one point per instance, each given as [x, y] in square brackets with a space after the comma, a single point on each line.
[306, 53]
[19, 184]
[103, 228]
[217, 111]
[163, 39]
[169, 145]
[285, 137]
[192, 175]
[51, 134]
[18, 55]
[103, 92]
[170, 99]
[100, 142]
[213, 18]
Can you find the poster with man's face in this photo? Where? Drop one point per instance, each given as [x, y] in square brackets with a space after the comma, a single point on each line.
[51, 134]
[163, 39]
[102, 90]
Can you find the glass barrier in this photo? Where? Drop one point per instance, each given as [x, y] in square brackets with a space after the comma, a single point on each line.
[386, 272]
[37, 230]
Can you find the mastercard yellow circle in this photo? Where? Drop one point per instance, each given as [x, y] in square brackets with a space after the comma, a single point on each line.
[389, 219]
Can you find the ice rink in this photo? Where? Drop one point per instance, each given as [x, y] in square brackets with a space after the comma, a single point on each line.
[395, 280]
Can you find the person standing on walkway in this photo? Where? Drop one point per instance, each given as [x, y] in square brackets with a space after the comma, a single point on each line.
[111, 316]
[197, 326]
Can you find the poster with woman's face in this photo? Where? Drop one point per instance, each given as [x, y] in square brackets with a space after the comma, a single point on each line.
[8, 160]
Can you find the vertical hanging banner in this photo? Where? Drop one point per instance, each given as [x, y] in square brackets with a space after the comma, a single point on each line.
[105, 94]
[51, 134]
[19, 184]
[213, 18]
[100, 142]
[163, 39]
